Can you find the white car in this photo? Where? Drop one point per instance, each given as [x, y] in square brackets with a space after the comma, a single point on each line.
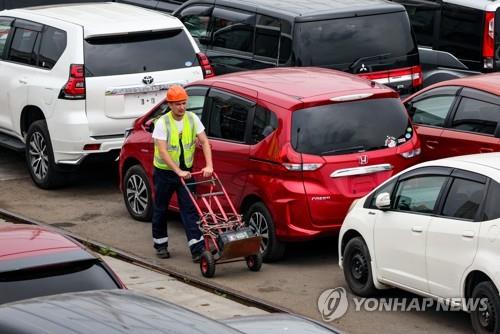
[74, 77]
[434, 230]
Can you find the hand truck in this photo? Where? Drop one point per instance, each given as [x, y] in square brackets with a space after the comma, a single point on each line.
[227, 238]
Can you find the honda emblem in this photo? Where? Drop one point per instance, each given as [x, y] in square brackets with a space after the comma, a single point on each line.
[363, 159]
[148, 80]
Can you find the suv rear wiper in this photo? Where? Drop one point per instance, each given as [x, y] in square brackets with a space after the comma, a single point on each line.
[359, 148]
[376, 57]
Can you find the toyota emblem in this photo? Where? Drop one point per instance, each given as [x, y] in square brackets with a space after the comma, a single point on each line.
[363, 159]
[148, 80]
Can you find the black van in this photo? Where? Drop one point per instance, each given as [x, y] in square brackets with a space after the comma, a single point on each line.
[372, 38]
[456, 37]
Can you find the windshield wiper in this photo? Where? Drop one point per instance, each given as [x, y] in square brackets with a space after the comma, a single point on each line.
[359, 148]
[364, 59]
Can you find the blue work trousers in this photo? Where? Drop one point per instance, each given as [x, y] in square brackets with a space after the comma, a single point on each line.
[166, 182]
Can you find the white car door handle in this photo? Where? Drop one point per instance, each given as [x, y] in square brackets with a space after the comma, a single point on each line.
[24, 82]
[417, 229]
[468, 234]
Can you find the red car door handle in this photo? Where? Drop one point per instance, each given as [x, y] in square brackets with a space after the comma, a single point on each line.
[485, 150]
[431, 143]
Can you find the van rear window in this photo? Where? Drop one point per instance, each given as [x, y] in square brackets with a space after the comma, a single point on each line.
[338, 43]
[350, 127]
[138, 52]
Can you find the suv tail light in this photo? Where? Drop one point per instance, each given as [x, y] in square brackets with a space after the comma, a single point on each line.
[413, 73]
[489, 40]
[74, 89]
[207, 69]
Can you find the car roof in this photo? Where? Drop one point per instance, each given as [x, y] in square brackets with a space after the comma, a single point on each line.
[26, 246]
[311, 10]
[104, 311]
[486, 5]
[489, 83]
[487, 164]
[103, 18]
[299, 84]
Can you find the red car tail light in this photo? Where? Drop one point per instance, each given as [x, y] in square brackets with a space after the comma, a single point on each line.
[412, 153]
[207, 69]
[489, 40]
[74, 89]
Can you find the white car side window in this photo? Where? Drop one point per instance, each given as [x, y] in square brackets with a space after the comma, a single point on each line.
[419, 194]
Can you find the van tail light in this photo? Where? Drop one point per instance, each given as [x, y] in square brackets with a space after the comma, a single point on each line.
[413, 74]
[207, 69]
[302, 167]
[412, 153]
[74, 89]
[489, 40]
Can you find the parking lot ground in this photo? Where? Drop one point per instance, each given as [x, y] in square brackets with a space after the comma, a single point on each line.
[171, 289]
[93, 208]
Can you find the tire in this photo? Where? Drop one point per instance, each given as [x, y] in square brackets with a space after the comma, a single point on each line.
[207, 264]
[259, 220]
[40, 158]
[254, 262]
[137, 194]
[357, 268]
[486, 321]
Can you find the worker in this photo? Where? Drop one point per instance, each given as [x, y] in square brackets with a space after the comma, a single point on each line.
[175, 135]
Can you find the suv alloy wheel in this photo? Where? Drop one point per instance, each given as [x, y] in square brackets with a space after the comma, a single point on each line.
[260, 221]
[137, 194]
[40, 157]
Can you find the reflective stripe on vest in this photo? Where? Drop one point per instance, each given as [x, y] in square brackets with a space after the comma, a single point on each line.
[172, 139]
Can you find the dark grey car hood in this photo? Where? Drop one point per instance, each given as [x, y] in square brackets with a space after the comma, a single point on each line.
[109, 312]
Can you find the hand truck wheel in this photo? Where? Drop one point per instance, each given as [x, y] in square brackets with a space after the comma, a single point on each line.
[207, 264]
[254, 262]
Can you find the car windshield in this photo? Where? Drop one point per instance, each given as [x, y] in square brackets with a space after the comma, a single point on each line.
[138, 53]
[69, 277]
[349, 127]
[339, 43]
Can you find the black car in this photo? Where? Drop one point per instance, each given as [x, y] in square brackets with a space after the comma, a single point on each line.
[372, 38]
[457, 38]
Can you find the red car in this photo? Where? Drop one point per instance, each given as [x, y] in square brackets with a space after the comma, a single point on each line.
[37, 262]
[458, 117]
[293, 147]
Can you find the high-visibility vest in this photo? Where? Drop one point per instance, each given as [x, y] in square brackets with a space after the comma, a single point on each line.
[172, 138]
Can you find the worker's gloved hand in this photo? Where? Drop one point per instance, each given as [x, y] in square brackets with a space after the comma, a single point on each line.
[184, 174]
[207, 171]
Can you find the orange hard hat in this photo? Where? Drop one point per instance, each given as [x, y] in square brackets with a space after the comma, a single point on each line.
[176, 94]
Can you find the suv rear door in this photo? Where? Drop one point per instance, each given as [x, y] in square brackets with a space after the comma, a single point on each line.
[362, 45]
[127, 74]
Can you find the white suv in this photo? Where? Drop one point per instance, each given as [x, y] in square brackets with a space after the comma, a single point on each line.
[434, 230]
[74, 77]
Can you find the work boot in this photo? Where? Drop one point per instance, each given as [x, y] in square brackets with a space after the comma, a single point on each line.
[196, 257]
[162, 253]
